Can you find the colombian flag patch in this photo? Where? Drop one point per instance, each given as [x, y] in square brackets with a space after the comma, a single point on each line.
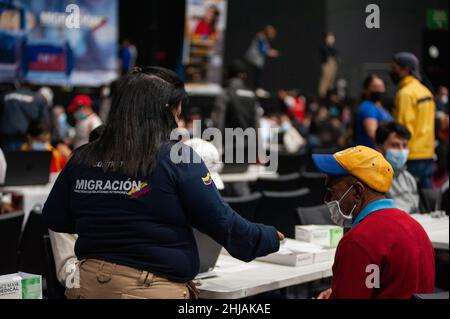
[138, 192]
[208, 179]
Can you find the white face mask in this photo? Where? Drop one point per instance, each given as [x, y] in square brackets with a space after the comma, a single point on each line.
[285, 127]
[397, 158]
[337, 216]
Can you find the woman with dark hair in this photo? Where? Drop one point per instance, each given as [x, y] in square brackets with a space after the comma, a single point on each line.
[207, 26]
[134, 208]
[371, 112]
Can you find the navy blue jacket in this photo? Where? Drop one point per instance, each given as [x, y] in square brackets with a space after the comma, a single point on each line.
[147, 223]
[18, 109]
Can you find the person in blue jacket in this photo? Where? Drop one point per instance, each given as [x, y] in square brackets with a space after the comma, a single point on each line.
[134, 207]
[371, 112]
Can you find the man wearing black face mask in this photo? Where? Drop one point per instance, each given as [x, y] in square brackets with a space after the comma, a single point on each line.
[414, 107]
[386, 253]
[371, 112]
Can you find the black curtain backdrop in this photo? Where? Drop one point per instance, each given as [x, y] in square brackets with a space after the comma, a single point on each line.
[157, 26]
[301, 28]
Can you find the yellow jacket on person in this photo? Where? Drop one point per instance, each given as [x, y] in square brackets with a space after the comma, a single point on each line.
[414, 107]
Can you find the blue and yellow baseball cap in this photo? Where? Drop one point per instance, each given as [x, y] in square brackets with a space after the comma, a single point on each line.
[364, 163]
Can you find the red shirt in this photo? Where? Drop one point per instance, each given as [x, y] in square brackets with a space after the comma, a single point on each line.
[297, 108]
[203, 28]
[397, 244]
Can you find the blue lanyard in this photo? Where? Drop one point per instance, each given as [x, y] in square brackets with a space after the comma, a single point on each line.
[373, 207]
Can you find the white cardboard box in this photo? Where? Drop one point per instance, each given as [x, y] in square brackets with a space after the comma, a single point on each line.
[289, 258]
[320, 254]
[296, 253]
[20, 286]
[323, 235]
[11, 287]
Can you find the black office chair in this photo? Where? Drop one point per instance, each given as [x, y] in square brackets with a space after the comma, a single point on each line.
[10, 228]
[31, 248]
[316, 215]
[444, 201]
[279, 209]
[245, 205]
[309, 165]
[315, 182]
[429, 199]
[283, 183]
[291, 163]
[324, 150]
[54, 289]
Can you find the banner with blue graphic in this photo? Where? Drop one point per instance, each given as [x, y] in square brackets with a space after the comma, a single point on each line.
[64, 42]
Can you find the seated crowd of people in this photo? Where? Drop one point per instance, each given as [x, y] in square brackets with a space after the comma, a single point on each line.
[404, 132]
[408, 134]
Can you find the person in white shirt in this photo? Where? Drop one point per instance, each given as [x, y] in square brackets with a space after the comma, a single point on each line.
[210, 155]
[5, 201]
[63, 247]
[392, 141]
[86, 119]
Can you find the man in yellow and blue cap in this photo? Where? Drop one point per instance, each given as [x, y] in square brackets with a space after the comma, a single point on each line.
[386, 253]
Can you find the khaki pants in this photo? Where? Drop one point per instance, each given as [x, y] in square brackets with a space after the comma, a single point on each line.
[104, 280]
[329, 70]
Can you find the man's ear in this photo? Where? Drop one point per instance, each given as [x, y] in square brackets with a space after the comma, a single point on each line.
[359, 190]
